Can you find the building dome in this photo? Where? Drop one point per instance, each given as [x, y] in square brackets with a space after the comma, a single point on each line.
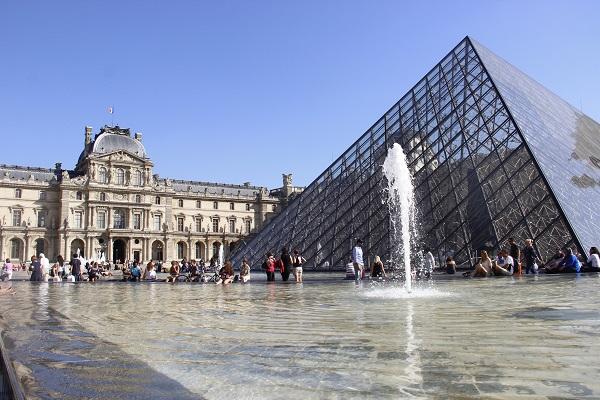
[111, 142]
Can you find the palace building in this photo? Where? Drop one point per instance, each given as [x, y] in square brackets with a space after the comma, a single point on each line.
[113, 207]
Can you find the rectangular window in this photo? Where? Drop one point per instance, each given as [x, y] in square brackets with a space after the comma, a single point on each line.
[137, 221]
[16, 217]
[198, 225]
[42, 195]
[18, 193]
[180, 224]
[119, 219]
[247, 207]
[231, 206]
[157, 224]
[180, 203]
[198, 204]
[78, 219]
[248, 226]
[101, 220]
[231, 225]
[215, 205]
[41, 219]
[215, 225]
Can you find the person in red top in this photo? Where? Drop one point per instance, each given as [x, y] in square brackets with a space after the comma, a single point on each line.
[269, 267]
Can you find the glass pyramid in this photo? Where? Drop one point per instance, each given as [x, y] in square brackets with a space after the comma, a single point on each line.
[493, 155]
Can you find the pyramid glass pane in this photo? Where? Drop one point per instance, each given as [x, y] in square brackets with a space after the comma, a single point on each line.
[476, 181]
[564, 142]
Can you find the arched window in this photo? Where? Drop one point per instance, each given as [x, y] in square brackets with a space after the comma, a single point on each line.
[137, 178]
[40, 246]
[231, 226]
[18, 193]
[180, 250]
[102, 175]
[248, 226]
[198, 250]
[79, 195]
[120, 176]
[215, 205]
[138, 198]
[232, 206]
[157, 200]
[247, 207]
[16, 247]
[102, 196]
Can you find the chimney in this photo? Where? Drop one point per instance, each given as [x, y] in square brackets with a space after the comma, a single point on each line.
[138, 136]
[88, 135]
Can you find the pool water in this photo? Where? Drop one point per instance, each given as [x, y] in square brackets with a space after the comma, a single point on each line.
[529, 337]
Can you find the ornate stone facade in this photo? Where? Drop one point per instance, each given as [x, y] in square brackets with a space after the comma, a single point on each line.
[112, 206]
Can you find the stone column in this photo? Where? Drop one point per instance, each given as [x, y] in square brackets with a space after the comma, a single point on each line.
[2, 253]
[148, 248]
[109, 249]
[92, 224]
[206, 253]
[189, 249]
[67, 255]
[109, 218]
[26, 249]
[147, 220]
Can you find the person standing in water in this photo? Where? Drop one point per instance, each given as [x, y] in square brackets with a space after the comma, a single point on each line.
[286, 264]
[298, 261]
[357, 260]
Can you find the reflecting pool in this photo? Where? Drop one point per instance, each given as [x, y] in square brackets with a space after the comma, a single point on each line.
[530, 337]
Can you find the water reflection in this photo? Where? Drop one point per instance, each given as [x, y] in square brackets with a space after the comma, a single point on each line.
[324, 339]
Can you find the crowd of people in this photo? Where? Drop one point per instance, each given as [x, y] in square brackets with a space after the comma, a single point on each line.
[511, 260]
[286, 264]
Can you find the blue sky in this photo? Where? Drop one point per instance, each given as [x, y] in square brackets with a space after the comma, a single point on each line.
[244, 91]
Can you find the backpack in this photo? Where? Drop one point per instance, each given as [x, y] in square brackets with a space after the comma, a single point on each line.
[264, 265]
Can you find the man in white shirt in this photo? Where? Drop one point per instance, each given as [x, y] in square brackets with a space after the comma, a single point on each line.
[504, 265]
[357, 260]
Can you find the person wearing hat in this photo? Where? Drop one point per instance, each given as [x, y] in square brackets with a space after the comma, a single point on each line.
[357, 260]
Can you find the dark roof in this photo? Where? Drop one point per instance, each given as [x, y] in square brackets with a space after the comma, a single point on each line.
[215, 188]
[19, 172]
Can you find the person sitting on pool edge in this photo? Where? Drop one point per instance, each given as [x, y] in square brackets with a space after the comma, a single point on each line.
[226, 273]
[484, 268]
[593, 261]
[245, 271]
[173, 271]
[136, 272]
[450, 266]
[149, 273]
[377, 270]
[504, 265]
[569, 264]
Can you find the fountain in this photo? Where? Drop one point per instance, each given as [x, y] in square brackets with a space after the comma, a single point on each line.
[402, 210]
[220, 255]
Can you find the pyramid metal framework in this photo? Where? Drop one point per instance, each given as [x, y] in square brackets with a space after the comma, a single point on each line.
[493, 155]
